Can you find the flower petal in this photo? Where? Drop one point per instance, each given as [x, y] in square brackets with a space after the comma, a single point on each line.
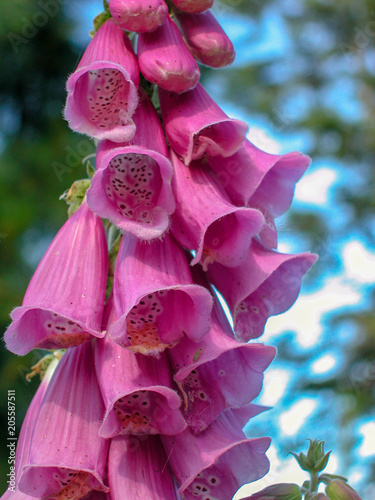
[67, 457]
[155, 298]
[138, 15]
[196, 127]
[193, 5]
[63, 304]
[102, 91]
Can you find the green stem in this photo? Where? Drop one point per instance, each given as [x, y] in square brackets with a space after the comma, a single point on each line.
[314, 483]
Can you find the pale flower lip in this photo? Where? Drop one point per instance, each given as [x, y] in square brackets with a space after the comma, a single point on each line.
[165, 60]
[64, 302]
[139, 15]
[197, 128]
[102, 91]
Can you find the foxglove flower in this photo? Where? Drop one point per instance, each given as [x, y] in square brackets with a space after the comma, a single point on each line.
[138, 15]
[155, 298]
[63, 305]
[267, 283]
[138, 469]
[206, 221]
[206, 39]
[252, 177]
[218, 372]
[165, 60]
[193, 5]
[216, 462]
[23, 444]
[102, 91]
[136, 390]
[197, 128]
[132, 184]
[67, 457]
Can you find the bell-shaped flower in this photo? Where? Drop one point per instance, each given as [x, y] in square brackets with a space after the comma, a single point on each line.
[102, 91]
[23, 443]
[218, 372]
[63, 304]
[206, 39]
[266, 284]
[193, 5]
[216, 462]
[155, 298]
[138, 15]
[165, 60]
[132, 184]
[206, 221]
[136, 389]
[197, 128]
[67, 458]
[138, 469]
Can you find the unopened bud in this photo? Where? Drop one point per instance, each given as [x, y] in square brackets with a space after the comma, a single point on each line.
[338, 490]
[282, 491]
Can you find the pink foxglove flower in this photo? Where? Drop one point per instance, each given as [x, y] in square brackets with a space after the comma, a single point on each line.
[138, 15]
[206, 221]
[23, 443]
[132, 184]
[193, 5]
[155, 298]
[197, 128]
[164, 59]
[64, 302]
[138, 469]
[267, 283]
[218, 372]
[67, 457]
[217, 461]
[102, 91]
[252, 177]
[136, 390]
[206, 39]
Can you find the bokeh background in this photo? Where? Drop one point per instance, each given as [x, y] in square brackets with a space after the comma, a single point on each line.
[303, 80]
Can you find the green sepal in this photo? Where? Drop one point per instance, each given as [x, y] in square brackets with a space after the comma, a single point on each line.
[327, 478]
[90, 170]
[100, 19]
[42, 365]
[75, 195]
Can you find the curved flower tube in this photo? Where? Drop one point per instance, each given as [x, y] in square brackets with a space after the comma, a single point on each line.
[197, 128]
[138, 469]
[206, 221]
[216, 462]
[206, 39]
[139, 15]
[102, 91]
[266, 284]
[132, 184]
[155, 298]
[165, 60]
[64, 302]
[60, 462]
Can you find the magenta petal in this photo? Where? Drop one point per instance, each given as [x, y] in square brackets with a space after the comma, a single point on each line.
[206, 39]
[267, 283]
[165, 60]
[102, 91]
[253, 177]
[138, 15]
[196, 127]
[193, 5]
[155, 298]
[63, 305]
[137, 393]
[67, 455]
[218, 372]
[137, 469]
[206, 221]
[217, 461]
[132, 184]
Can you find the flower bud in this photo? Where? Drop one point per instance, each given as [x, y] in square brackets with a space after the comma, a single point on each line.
[338, 490]
[193, 5]
[139, 15]
[282, 491]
